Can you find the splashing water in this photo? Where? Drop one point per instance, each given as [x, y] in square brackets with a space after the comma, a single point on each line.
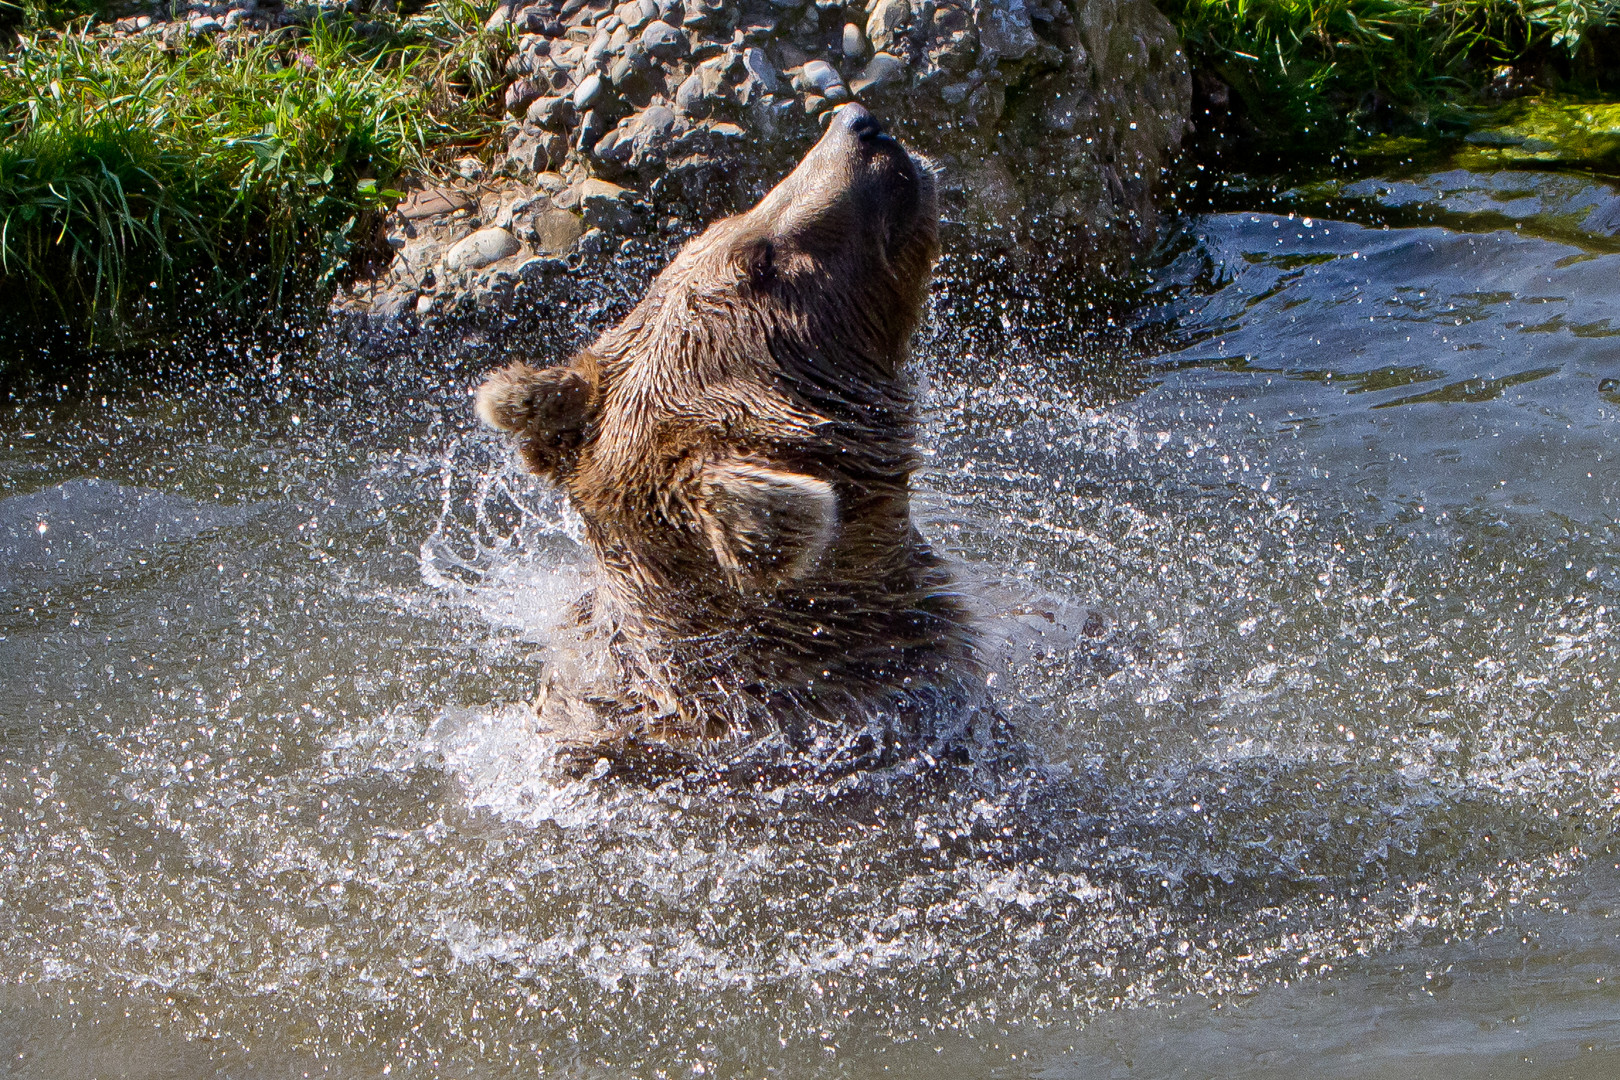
[1302, 588]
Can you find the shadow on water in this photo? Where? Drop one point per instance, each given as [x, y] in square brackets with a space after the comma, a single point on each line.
[1300, 588]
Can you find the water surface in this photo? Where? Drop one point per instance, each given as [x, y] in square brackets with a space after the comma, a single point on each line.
[1303, 585]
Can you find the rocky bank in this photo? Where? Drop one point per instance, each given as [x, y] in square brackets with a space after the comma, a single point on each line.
[1054, 123]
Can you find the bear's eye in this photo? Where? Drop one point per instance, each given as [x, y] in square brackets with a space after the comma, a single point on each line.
[758, 263]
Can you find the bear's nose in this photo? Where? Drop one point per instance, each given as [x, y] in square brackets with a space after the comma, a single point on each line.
[860, 123]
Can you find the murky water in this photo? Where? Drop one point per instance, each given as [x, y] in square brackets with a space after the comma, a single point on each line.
[1305, 585]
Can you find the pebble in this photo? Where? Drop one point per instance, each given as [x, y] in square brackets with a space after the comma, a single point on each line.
[586, 93]
[520, 93]
[854, 42]
[531, 20]
[637, 13]
[663, 41]
[550, 112]
[480, 249]
[435, 202]
[819, 76]
[882, 70]
[529, 154]
[691, 96]
[760, 68]
[557, 231]
[887, 17]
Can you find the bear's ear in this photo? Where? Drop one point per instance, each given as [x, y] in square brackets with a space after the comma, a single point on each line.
[548, 409]
[765, 526]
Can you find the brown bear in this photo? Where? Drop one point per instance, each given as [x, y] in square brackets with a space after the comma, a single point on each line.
[740, 450]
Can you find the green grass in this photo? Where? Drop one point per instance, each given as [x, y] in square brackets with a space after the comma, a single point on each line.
[33, 15]
[1309, 76]
[130, 173]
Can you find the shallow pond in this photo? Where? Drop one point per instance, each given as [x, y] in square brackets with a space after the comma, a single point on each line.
[1304, 584]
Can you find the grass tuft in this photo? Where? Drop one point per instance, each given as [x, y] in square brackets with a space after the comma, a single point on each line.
[129, 171]
[1311, 75]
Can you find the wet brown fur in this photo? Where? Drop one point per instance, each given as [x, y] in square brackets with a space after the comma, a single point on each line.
[740, 449]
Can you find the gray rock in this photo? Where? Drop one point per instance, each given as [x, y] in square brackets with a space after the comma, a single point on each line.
[600, 48]
[818, 77]
[395, 304]
[520, 94]
[555, 232]
[480, 249]
[588, 91]
[592, 126]
[693, 97]
[552, 112]
[531, 20]
[530, 154]
[761, 71]
[435, 202]
[643, 140]
[758, 29]
[886, 21]
[613, 148]
[499, 18]
[205, 25]
[663, 41]
[703, 13]
[1004, 30]
[881, 71]
[607, 205]
[636, 13]
[854, 42]
[594, 242]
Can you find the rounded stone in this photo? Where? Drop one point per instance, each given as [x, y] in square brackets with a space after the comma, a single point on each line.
[663, 40]
[854, 41]
[480, 249]
[586, 93]
[550, 112]
[819, 77]
[882, 70]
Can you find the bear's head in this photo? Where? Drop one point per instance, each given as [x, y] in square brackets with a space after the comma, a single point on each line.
[740, 447]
